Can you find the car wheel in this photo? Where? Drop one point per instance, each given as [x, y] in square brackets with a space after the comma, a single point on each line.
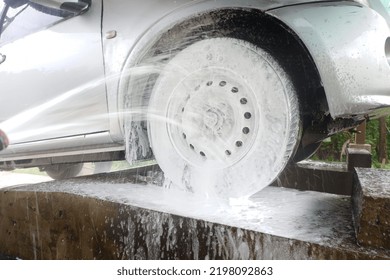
[223, 118]
[307, 152]
[64, 171]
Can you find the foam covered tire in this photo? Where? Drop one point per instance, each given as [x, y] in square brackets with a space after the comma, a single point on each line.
[64, 171]
[307, 152]
[223, 118]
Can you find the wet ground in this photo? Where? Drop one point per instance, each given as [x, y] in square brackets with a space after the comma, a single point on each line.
[34, 176]
[8, 179]
[147, 221]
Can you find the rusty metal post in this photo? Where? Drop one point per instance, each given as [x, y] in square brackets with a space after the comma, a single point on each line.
[360, 137]
[382, 145]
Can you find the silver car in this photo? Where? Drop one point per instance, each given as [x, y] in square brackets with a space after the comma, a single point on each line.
[222, 93]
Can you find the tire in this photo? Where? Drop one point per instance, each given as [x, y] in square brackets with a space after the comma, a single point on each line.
[307, 152]
[223, 118]
[64, 171]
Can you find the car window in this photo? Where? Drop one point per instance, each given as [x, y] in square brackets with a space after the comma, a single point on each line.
[26, 20]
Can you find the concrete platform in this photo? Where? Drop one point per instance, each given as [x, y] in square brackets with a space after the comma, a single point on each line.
[317, 176]
[11, 179]
[371, 207]
[118, 216]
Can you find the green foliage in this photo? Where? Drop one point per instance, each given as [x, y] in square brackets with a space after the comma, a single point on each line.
[331, 148]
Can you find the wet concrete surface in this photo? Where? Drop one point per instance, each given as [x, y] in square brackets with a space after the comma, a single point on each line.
[317, 176]
[3, 257]
[371, 205]
[119, 216]
[12, 179]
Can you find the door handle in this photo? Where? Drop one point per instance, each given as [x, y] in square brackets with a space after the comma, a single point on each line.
[2, 58]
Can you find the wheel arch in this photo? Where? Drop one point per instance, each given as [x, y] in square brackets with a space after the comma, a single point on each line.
[252, 25]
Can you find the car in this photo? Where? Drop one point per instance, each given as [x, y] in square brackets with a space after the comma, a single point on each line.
[222, 94]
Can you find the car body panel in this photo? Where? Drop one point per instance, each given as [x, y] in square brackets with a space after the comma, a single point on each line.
[145, 21]
[347, 43]
[43, 104]
[79, 68]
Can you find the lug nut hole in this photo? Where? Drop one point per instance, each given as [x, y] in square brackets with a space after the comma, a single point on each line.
[243, 101]
[228, 153]
[248, 115]
[209, 83]
[234, 90]
[192, 147]
[202, 154]
[246, 130]
[239, 144]
[184, 136]
[222, 84]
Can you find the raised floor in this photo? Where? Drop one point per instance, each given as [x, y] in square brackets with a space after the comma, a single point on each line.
[123, 215]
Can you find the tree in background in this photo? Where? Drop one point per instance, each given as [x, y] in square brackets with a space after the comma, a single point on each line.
[377, 135]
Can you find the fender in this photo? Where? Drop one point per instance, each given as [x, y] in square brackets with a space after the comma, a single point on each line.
[135, 37]
[347, 42]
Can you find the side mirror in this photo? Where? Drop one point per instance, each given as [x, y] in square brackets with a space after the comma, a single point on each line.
[73, 8]
[15, 3]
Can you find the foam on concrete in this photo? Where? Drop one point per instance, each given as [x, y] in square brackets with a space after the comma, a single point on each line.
[116, 216]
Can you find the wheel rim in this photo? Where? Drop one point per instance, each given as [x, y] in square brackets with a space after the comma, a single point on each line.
[223, 118]
[212, 119]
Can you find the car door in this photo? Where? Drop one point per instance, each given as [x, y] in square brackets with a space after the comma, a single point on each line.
[52, 80]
